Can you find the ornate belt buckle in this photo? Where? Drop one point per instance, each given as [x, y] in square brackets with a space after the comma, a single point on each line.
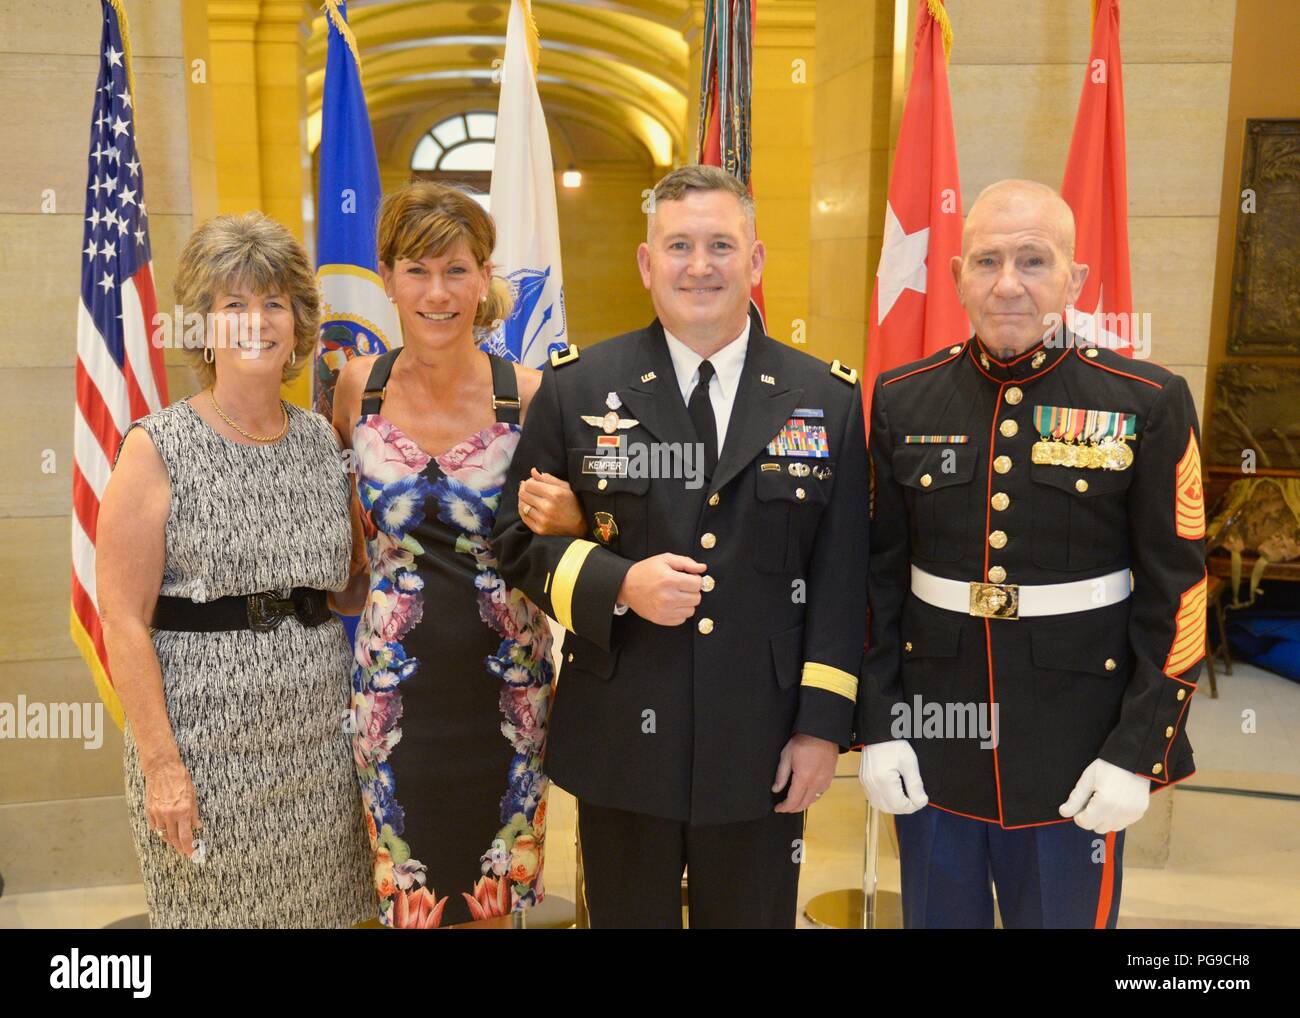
[266, 611]
[995, 600]
[311, 610]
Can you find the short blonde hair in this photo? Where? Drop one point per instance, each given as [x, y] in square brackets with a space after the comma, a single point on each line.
[425, 218]
[255, 252]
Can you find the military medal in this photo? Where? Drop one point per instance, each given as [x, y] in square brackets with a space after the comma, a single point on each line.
[1086, 439]
[799, 438]
[605, 528]
[799, 469]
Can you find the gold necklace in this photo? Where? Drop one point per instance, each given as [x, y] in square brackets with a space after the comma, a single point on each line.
[256, 438]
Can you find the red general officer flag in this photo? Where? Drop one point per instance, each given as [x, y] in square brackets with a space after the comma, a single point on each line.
[914, 308]
[1096, 186]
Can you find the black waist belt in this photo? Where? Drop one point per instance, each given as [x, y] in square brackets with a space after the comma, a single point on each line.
[261, 612]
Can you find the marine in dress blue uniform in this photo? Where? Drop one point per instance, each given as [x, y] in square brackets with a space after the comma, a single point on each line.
[1037, 546]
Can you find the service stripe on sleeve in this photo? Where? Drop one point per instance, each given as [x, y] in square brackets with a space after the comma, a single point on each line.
[566, 577]
[832, 680]
[1189, 637]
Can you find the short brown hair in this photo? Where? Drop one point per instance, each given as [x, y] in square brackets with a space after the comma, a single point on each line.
[424, 218]
[698, 177]
[256, 252]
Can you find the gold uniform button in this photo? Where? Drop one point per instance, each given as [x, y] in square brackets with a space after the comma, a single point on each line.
[1182, 694]
[1009, 429]
[1157, 768]
[1111, 664]
[714, 499]
[705, 626]
[800, 494]
[998, 539]
[1091, 354]
[908, 646]
[1002, 464]
[1169, 732]
[1081, 485]
[708, 541]
[1013, 395]
[602, 484]
[926, 480]
[997, 575]
[570, 659]
[1000, 501]
[955, 349]
[707, 584]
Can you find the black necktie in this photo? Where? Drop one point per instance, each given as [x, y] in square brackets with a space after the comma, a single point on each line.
[700, 408]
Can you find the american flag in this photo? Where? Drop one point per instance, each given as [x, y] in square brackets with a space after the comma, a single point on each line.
[120, 374]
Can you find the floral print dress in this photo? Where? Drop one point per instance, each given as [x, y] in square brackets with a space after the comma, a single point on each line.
[451, 679]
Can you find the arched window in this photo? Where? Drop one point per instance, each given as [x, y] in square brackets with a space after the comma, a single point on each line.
[459, 150]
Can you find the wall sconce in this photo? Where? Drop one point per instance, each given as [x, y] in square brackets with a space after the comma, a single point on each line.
[572, 178]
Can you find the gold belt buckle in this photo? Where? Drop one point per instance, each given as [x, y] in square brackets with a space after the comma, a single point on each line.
[995, 600]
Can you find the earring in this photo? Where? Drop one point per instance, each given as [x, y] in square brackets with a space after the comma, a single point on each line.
[209, 354]
[293, 358]
[483, 299]
[392, 300]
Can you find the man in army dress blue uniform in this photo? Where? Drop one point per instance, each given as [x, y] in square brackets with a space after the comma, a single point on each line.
[716, 611]
[1037, 560]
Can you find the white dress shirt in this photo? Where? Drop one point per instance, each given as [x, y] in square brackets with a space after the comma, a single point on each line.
[727, 364]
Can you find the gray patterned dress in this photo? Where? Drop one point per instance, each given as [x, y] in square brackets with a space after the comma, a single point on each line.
[258, 717]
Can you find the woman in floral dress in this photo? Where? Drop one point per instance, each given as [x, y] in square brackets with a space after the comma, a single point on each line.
[452, 671]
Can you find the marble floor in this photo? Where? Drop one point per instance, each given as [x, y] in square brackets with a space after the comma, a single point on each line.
[1233, 860]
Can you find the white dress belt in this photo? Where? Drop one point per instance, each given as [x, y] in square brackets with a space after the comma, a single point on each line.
[1011, 600]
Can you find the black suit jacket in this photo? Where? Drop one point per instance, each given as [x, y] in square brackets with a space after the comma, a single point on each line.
[688, 722]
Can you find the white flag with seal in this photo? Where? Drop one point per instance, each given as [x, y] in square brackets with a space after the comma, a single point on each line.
[523, 204]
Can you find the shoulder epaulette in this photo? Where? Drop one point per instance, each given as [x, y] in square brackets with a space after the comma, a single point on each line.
[559, 358]
[1114, 362]
[844, 374]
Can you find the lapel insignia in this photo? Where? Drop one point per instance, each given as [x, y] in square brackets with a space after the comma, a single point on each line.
[606, 529]
[609, 423]
[767, 379]
[649, 376]
[1039, 360]
[1088, 439]
[984, 361]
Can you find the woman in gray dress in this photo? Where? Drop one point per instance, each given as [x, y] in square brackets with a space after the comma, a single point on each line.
[226, 520]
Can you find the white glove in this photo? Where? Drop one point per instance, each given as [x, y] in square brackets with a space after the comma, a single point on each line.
[1109, 797]
[891, 777]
